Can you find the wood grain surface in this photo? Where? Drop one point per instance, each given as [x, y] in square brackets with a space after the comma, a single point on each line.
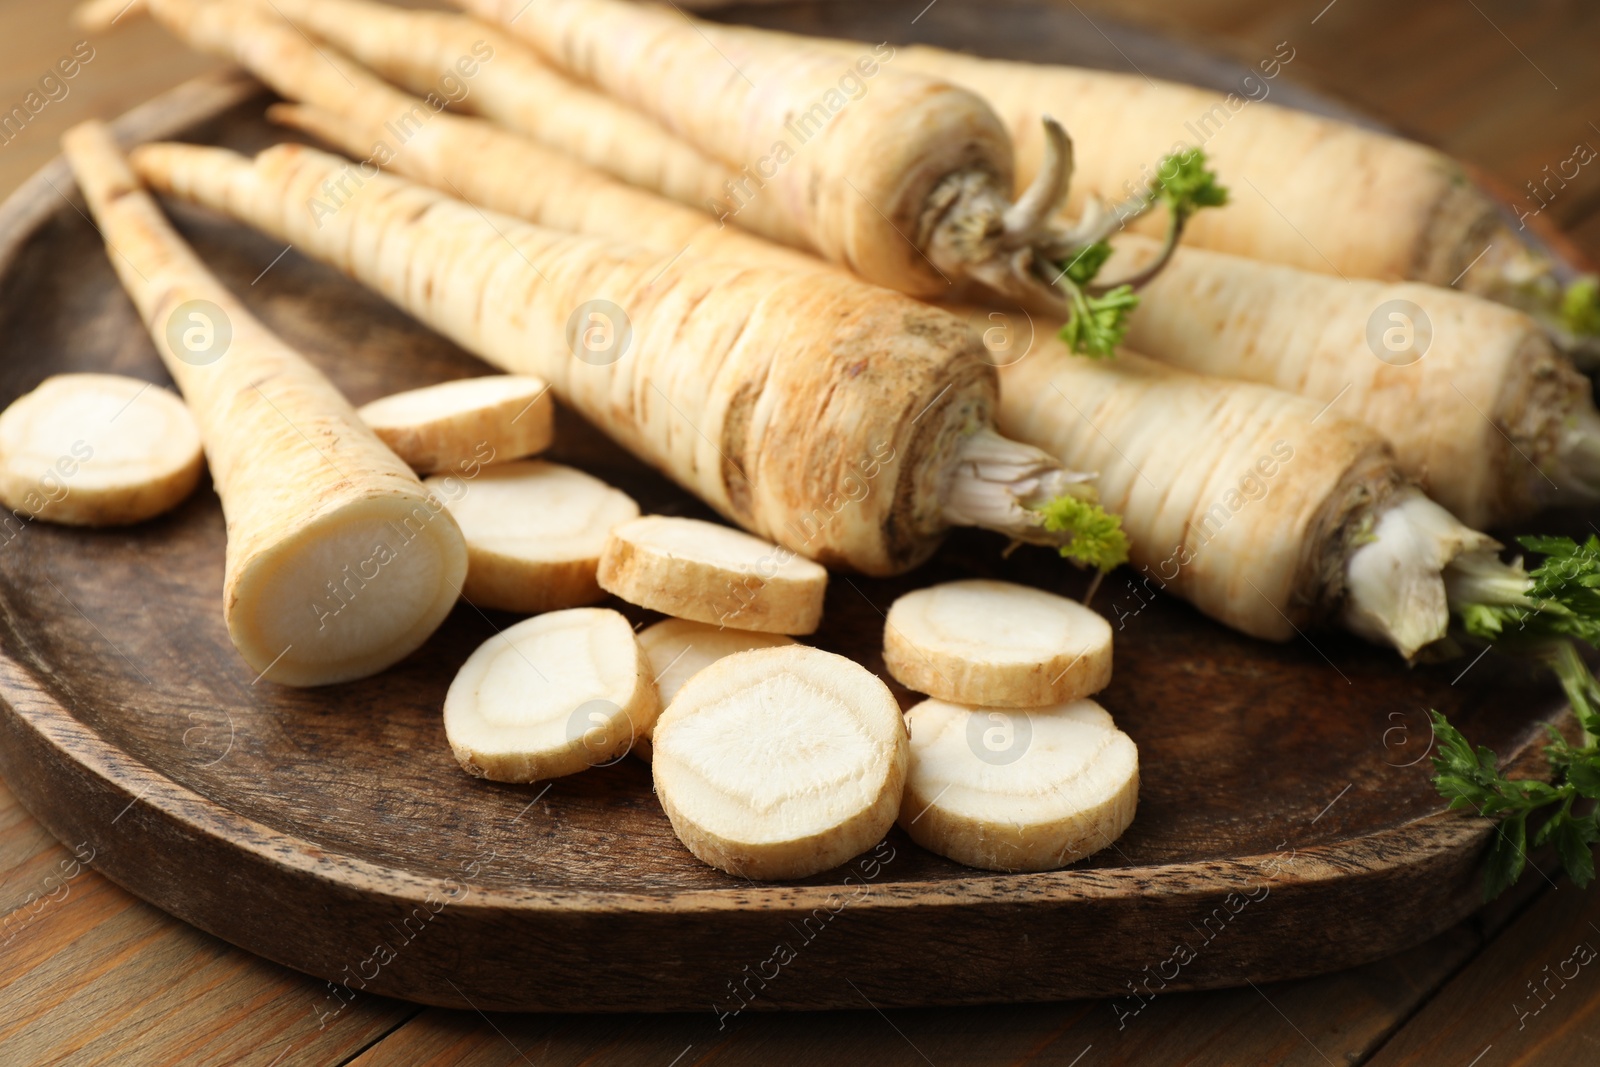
[1350, 1014]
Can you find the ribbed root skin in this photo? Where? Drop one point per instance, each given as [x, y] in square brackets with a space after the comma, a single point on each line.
[1497, 393]
[815, 411]
[339, 562]
[1233, 495]
[907, 156]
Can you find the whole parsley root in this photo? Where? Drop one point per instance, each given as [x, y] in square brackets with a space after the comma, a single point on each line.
[844, 422]
[306, 487]
[936, 205]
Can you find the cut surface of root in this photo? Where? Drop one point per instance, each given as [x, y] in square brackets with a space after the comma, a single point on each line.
[780, 762]
[1395, 579]
[456, 425]
[349, 592]
[97, 450]
[679, 649]
[996, 643]
[997, 484]
[713, 574]
[535, 531]
[1018, 790]
[550, 696]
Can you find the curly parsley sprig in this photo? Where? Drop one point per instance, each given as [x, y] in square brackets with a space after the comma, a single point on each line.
[1469, 778]
[1098, 539]
[1543, 612]
[1097, 318]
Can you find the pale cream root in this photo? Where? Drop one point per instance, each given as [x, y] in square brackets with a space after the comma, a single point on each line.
[509, 84]
[97, 450]
[339, 562]
[100, 16]
[712, 574]
[904, 178]
[1302, 185]
[550, 696]
[491, 168]
[535, 532]
[1509, 422]
[466, 422]
[816, 411]
[1233, 495]
[1018, 790]
[996, 643]
[679, 649]
[780, 762]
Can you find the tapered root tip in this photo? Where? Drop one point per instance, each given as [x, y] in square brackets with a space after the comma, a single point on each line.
[349, 593]
[101, 16]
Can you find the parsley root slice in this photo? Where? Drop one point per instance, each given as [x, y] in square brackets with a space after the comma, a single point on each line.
[780, 762]
[1007, 789]
[551, 696]
[534, 532]
[1510, 427]
[996, 643]
[465, 422]
[679, 649]
[339, 562]
[97, 450]
[1269, 515]
[710, 573]
[850, 424]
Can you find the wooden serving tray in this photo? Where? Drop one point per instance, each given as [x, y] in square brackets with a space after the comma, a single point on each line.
[1286, 824]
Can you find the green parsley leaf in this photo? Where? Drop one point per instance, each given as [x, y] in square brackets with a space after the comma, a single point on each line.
[1097, 537]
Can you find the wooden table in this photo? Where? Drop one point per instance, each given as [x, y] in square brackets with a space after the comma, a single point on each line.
[90, 974]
